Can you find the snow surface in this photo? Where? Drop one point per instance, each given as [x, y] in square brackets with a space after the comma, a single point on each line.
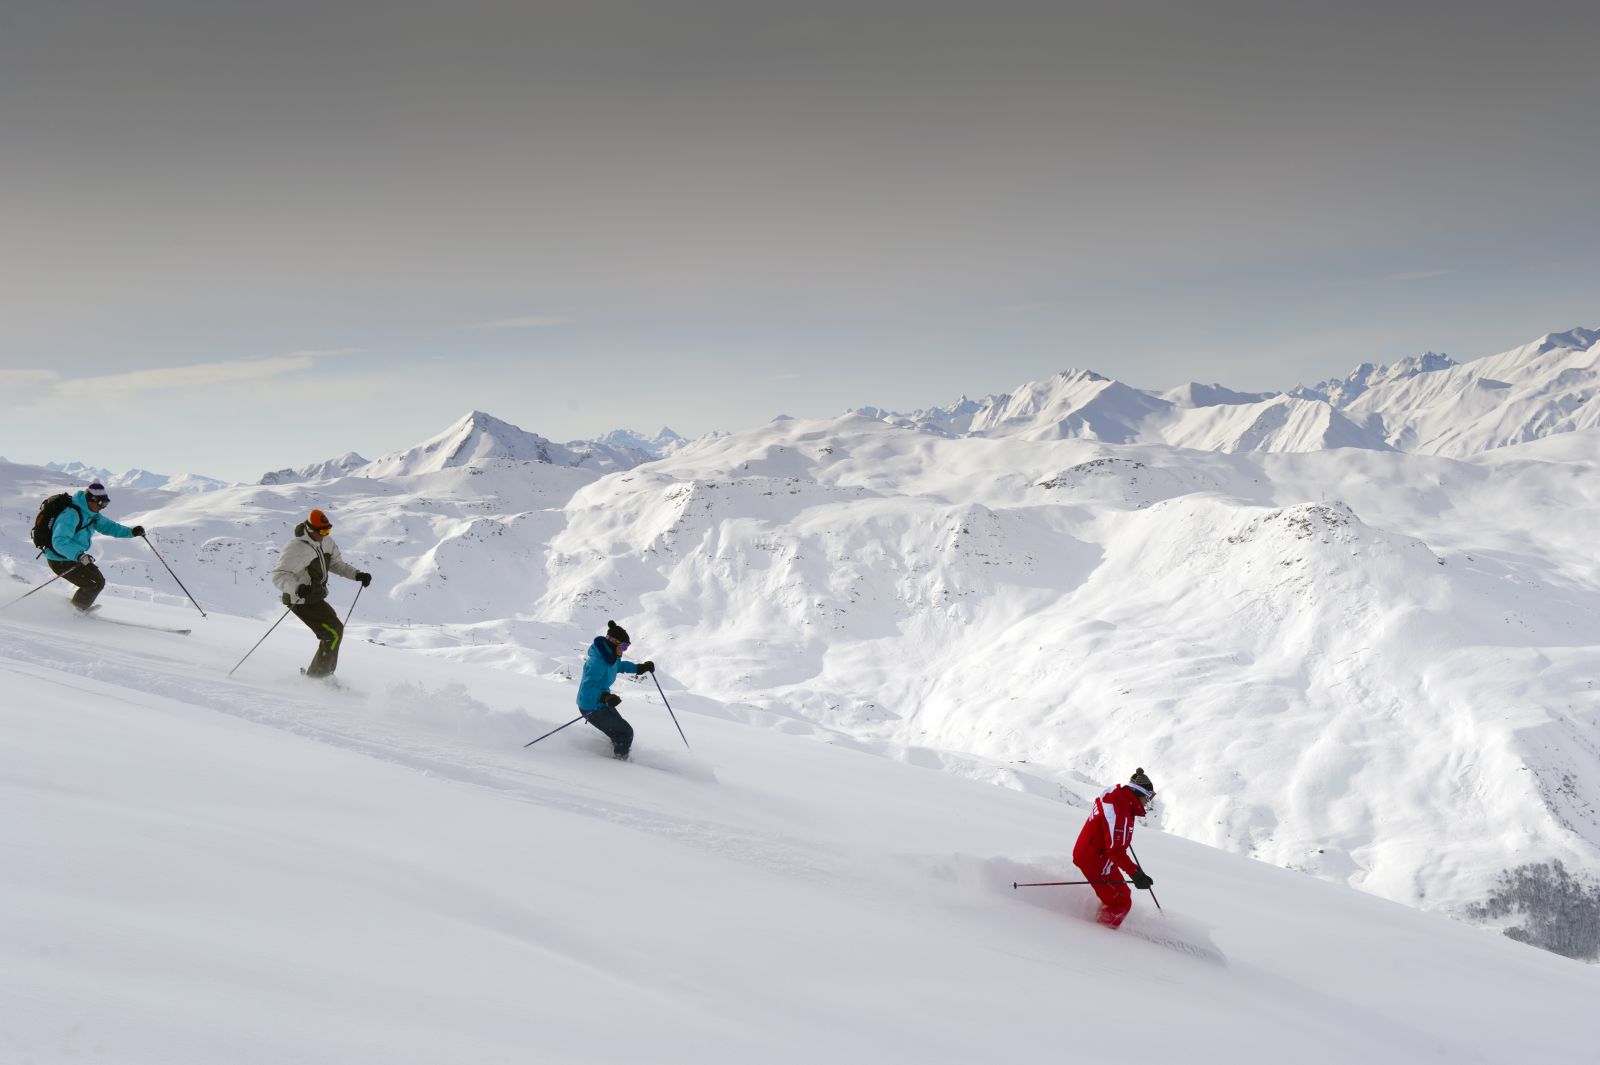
[1370, 666]
[259, 869]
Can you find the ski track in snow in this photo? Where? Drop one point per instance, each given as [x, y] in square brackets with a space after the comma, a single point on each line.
[512, 772]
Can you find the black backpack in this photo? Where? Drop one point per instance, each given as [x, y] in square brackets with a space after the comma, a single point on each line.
[45, 522]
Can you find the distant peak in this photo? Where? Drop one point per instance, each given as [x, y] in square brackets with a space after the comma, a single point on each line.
[1341, 392]
[1579, 339]
[1080, 375]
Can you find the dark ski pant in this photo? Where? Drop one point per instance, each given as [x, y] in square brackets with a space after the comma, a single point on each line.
[88, 578]
[1115, 898]
[607, 720]
[323, 620]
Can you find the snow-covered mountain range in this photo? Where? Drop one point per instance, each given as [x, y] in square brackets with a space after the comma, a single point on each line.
[1351, 636]
[476, 437]
[327, 470]
[136, 478]
[1427, 405]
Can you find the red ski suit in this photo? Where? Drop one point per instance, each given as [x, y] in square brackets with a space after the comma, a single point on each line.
[1102, 850]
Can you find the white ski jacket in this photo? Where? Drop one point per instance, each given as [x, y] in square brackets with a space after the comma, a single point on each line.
[308, 560]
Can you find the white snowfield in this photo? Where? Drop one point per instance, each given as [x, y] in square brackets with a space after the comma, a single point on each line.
[257, 869]
[1367, 665]
[1373, 666]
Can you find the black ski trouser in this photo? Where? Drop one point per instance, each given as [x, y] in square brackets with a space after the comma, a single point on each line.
[90, 581]
[607, 720]
[323, 620]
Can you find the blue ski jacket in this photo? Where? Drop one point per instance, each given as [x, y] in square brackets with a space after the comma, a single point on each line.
[75, 526]
[600, 669]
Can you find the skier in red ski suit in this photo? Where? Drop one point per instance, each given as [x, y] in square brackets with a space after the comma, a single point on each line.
[1102, 848]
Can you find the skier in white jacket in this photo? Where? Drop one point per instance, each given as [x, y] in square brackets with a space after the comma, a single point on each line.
[302, 577]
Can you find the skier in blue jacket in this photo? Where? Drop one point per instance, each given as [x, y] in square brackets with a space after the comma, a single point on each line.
[600, 669]
[68, 554]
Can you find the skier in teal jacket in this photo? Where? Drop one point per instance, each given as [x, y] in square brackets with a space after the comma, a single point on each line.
[68, 554]
[600, 668]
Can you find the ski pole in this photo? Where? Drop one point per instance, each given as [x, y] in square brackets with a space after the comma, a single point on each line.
[553, 731]
[669, 710]
[1067, 883]
[1140, 864]
[259, 642]
[41, 587]
[353, 603]
[163, 561]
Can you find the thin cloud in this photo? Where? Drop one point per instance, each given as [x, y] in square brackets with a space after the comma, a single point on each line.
[1419, 275]
[532, 321]
[25, 387]
[20, 388]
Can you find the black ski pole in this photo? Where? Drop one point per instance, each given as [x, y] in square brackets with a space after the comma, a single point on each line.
[555, 730]
[353, 603]
[41, 587]
[259, 642]
[1067, 883]
[669, 710]
[1140, 864]
[163, 561]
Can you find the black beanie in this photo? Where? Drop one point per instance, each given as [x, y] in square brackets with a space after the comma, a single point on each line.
[616, 632]
[1141, 781]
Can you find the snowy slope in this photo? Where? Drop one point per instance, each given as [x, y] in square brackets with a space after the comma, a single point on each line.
[1335, 656]
[1276, 633]
[257, 869]
[1373, 666]
[1541, 389]
[1281, 423]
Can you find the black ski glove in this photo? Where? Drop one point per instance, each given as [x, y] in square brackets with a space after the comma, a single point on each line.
[610, 700]
[1141, 881]
[364, 578]
[646, 667]
[309, 593]
[138, 530]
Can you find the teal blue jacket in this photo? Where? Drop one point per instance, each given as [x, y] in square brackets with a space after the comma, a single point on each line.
[600, 669]
[75, 527]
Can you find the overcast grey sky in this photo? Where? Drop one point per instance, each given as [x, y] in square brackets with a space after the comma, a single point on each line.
[240, 236]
